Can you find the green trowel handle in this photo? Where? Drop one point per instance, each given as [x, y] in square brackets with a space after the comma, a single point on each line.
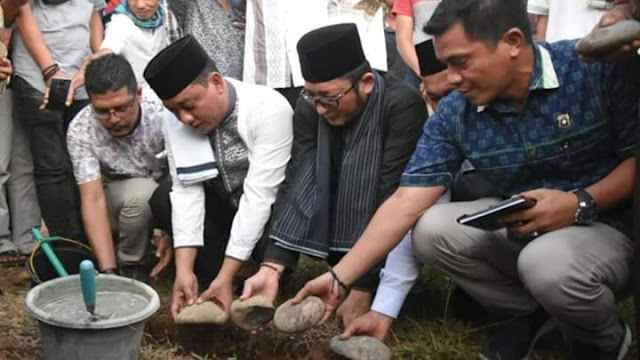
[53, 259]
[88, 284]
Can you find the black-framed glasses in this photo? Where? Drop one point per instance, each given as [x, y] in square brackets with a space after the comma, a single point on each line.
[329, 102]
[119, 111]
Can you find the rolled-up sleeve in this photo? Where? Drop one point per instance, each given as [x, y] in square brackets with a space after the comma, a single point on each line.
[271, 136]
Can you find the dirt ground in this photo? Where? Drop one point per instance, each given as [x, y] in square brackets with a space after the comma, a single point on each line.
[163, 339]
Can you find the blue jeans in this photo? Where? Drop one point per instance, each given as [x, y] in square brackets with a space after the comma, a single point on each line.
[53, 174]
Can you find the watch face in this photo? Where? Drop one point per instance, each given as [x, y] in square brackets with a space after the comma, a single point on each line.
[586, 215]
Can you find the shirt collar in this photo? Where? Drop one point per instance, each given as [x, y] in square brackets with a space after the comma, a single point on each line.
[544, 75]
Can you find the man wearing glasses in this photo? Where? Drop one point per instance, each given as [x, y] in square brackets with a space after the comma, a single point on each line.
[354, 131]
[116, 139]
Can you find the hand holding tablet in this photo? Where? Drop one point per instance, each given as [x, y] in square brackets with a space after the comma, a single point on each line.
[488, 219]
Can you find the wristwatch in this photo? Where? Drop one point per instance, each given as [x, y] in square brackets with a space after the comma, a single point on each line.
[587, 209]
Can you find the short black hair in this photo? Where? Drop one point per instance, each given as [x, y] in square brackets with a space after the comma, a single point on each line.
[109, 72]
[484, 20]
[355, 74]
[203, 78]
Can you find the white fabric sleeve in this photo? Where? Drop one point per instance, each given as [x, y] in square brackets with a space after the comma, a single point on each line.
[117, 33]
[538, 7]
[270, 138]
[396, 278]
[187, 205]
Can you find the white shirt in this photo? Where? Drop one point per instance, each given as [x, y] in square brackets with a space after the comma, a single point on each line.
[138, 45]
[399, 274]
[568, 19]
[265, 126]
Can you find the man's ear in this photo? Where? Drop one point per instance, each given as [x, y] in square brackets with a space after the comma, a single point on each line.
[216, 80]
[367, 82]
[139, 93]
[515, 40]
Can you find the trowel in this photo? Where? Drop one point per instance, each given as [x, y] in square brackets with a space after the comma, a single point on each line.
[88, 285]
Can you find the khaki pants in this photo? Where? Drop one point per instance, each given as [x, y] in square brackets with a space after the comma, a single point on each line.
[574, 273]
[131, 218]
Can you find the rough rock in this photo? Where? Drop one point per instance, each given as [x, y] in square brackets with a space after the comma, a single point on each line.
[607, 39]
[292, 318]
[252, 313]
[360, 348]
[206, 313]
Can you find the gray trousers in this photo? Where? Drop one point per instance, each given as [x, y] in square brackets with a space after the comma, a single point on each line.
[574, 273]
[130, 217]
[19, 210]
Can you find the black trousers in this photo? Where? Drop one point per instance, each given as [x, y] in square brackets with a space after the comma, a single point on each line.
[219, 214]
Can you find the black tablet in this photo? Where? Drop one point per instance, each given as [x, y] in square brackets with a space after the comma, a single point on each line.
[487, 219]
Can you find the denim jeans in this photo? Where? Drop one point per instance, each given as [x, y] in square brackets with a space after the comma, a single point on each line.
[53, 174]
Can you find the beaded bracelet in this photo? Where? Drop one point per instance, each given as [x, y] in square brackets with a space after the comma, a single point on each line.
[337, 279]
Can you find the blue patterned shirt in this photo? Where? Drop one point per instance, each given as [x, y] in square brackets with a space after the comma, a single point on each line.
[577, 124]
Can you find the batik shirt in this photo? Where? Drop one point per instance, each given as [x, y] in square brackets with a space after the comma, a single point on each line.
[577, 124]
[95, 152]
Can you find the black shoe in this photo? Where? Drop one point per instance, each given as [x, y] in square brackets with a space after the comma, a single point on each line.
[515, 338]
[580, 351]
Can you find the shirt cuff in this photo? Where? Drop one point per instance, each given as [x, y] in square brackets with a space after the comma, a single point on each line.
[388, 301]
[436, 179]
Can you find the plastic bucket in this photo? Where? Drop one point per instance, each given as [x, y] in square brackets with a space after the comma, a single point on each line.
[65, 337]
[69, 252]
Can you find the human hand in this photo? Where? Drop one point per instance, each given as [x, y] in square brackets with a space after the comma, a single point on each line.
[611, 17]
[355, 305]
[45, 99]
[265, 282]
[372, 323]
[554, 209]
[221, 290]
[326, 288]
[5, 68]
[17, 3]
[164, 252]
[185, 288]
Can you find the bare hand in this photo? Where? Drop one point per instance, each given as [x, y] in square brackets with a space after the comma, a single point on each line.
[372, 323]
[554, 209]
[265, 282]
[327, 289]
[164, 252]
[613, 16]
[45, 99]
[221, 291]
[185, 289]
[5, 68]
[356, 304]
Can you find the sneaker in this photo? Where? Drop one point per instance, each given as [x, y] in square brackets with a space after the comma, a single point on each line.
[516, 338]
[580, 351]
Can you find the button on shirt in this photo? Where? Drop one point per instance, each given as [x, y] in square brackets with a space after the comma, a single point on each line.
[577, 124]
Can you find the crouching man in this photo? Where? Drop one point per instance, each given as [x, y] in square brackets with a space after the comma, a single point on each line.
[113, 144]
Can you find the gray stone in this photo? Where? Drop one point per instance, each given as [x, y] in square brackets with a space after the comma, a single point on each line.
[292, 318]
[608, 39]
[360, 348]
[252, 313]
[206, 313]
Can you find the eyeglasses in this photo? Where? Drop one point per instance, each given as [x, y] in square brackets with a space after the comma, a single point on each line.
[329, 102]
[119, 111]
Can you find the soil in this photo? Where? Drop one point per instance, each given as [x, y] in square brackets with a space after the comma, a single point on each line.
[163, 339]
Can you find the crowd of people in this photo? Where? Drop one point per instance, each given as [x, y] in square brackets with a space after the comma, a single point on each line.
[213, 134]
